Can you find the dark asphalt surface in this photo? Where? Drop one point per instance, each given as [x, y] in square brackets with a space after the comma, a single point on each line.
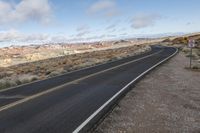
[63, 110]
[37, 87]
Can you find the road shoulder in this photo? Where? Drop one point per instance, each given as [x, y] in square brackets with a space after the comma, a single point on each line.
[166, 100]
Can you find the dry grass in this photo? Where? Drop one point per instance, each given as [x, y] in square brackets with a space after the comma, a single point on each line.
[28, 72]
[182, 44]
[14, 80]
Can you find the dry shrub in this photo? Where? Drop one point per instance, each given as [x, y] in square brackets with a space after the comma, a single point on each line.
[180, 40]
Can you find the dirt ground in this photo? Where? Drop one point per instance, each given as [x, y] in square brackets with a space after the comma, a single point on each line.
[165, 101]
[29, 72]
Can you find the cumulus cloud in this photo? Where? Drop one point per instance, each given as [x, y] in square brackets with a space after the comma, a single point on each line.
[144, 20]
[92, 38]
[16, 36]
[106, 8]
[25, 10]
[10, 35]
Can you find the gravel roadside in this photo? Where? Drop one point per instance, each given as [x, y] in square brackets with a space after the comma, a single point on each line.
[166, 100]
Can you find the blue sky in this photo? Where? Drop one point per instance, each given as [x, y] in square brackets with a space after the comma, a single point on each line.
[35, 21]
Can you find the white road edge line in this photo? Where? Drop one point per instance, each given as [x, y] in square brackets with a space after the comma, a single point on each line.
[80, 127]
[68, 83]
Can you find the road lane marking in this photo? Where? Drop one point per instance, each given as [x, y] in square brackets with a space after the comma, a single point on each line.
[11, 88]
[71, 82]
[11, 97]
[81, 126]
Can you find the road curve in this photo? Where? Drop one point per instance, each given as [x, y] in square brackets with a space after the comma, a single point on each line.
[73, 102]
[17, 93]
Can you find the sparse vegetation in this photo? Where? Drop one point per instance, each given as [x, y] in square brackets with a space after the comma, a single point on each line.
[182, 44]
[28, 72]
[180, 40]
[14, 80]
[5, 84]
[196, 67]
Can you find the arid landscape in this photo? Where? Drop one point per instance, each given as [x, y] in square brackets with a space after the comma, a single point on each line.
[29, 63]
[15, 55]
[143, 109]
[182, 44]
[24, 64]
[99, 66]
[166, 100]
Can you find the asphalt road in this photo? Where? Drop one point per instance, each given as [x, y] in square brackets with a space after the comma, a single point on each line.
[65, 103]
[11, 95]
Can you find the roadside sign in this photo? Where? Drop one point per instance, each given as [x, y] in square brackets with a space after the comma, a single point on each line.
[191, 43]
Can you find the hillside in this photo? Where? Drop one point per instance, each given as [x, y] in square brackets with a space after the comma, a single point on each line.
[182, 44]
[15, 55]
[45, 68]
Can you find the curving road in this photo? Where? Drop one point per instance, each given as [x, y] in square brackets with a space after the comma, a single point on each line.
[73, 102]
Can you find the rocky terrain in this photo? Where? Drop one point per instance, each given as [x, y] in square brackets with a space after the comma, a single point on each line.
[23, 64]
[15, 55]
[41, 68]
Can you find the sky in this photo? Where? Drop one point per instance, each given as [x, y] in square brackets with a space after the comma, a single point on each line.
[57, 21]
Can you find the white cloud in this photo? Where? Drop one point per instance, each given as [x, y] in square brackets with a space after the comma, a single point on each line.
[101, 5]
[93, 38]
[25, 10]
[36, 37]
[144, 20]
[82, 33]
[16, 36]
[123, 34]
[83, 28]
[107, 8]
[10, 35]
[111, 27]
[13, 36]
[59, 38]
